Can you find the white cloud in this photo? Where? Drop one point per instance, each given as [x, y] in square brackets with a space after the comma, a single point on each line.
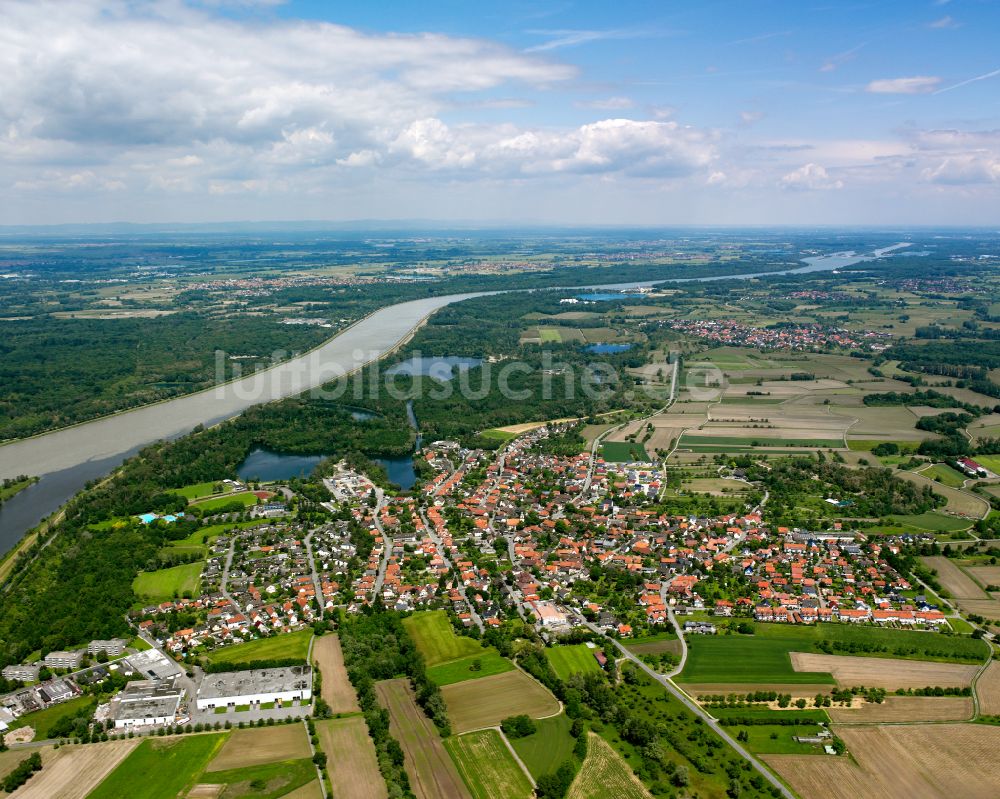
[919, 84]
[811, 177]
[944, 23]
[960, 170]
[607, 104]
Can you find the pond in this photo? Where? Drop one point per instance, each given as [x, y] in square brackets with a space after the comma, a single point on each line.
[267, 466]
[608, 349]
[400, 471]
[441, 367]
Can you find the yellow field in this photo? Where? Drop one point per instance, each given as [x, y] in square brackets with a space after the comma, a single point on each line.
[604, 774]
[74, 771]
[887, 673]
[350, 759]
[485, 702]
[907, 708]
[988, 690]
[954, 579]
[337, 689]
[929, 761]
[258, 745]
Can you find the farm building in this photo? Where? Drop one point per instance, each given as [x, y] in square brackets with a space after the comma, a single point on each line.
[257, 687]
[145, 703]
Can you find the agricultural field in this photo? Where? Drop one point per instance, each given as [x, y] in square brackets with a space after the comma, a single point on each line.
[954, 579]
[431, 771]
[483, 664]
[900, 762]
[988, 690]
[278, 778]
[435, 639]
[943, 473]
[984, 575]
[199, 490]
[567, 660]
[959, 503]
[654, 645]
[475, 704]
[351, 761]
[548, 747]
[752, 659]
[604, 774]
[164, 584]
[70, 772]
[624, 452]
[290, 645]
[255, 746]
[177, 762]
[849, 671]
[337, 690]
[906, 708]
[487, 766]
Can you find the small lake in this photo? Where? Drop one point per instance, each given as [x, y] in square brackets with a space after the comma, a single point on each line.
[400, 471]
[442, 367]
[607, 296]
[608, 349]
[262, 464]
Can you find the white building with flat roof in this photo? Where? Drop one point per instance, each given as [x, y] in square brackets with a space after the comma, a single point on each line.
[146, 703]
[256, 687]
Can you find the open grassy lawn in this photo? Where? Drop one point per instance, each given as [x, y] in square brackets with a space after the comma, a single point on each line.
[9, 491]
[567, 660]
[623, 452]
[487, 766]
[292, 645]
[935, 522]
[943, 473]
[165, 584]
[745, 659]
[435, 639]
[548, 747]
[43, 720]
[489, 662]
[176, 763]
[245, 498]
[197, 490]
[498, 435]
[547, 334]
[278, 779]
[775, 739]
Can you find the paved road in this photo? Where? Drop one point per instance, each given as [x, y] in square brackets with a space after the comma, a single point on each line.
[698, 711]
[224, 584]
[383, 563]
[317, 586]
[432, 534]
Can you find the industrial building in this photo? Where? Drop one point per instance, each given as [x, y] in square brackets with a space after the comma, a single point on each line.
[257, 687]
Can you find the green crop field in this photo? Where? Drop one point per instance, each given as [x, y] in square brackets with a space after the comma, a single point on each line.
[623, 452]
[547, 334]
[548, 747]
[498, 435]
[777, 716]
[935, 522]
[745, 659]
[489, 661]
[245, 498]
[567, 660]
[177, 763]
[292, 645]
[487, 766]
[165, 584]
[436, 640]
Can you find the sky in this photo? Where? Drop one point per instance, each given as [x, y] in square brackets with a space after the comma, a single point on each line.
[693, 112]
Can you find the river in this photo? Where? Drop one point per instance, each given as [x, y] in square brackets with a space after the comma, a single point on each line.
[67, 459]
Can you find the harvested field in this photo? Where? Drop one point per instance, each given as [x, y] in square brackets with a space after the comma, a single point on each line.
[206, 791]
[310, 790]
[604, 773]
[716, 486]
[819, 777]
[907, 708]
[259, 745]
[986, 575]
[671, 645]
[337, 689]
[886, 673]
[10, 759]
[954, 579]
[74, 771]
[350, 758]
[987, 608]
[988, 690]
[485, 702]
[431, 770]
